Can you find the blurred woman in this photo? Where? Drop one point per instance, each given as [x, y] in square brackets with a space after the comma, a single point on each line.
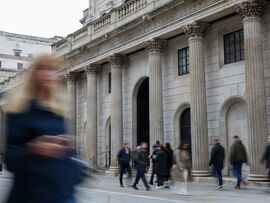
[161, 167]
[182, 166]
[38, 152]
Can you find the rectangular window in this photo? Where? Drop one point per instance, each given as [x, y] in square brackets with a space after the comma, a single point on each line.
[19, 66]
[17, 53]
[183, 61]
[109, 83]
[234, 47]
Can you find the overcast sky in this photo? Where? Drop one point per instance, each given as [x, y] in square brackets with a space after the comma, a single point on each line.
[44, 18]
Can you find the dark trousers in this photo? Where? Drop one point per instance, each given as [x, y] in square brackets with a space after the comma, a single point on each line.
[140, 175]
[161, 179]
[237, 171]
[153, 175]
[123, 169]
[217, 172]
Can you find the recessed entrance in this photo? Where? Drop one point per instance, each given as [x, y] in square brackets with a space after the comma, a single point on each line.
[143, 112]
[185, 130]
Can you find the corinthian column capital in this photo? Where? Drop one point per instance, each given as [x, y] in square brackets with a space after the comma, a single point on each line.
[250, 8]
[116, 59]
[154, 46]
[70, 76]
[195, 29]
[91, 69]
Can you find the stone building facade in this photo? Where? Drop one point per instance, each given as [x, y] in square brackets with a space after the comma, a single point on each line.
[173, 70]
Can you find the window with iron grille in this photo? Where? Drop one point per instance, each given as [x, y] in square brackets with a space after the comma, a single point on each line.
[234, 47]
[19, 66]
[109, 83]
[183, 61]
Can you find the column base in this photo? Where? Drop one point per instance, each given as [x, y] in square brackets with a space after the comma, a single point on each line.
[200, 173]
[258, 178]
[113, 171]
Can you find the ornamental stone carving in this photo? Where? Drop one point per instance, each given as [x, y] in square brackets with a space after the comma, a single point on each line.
[250, 8]
[116, 59]
[195, 29]
[91, 69]
[154, 46]
[70, 76]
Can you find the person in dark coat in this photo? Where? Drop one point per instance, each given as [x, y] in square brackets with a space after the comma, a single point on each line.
[169, 152]
[142, 161]
[153, 159]
[38, 152]
[217, 161]
[161, 166]
[124, 157]
[238, 156]
[266, 159]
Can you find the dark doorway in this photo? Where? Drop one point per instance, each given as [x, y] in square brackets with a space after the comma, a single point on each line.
[185, 130]
[143, 113]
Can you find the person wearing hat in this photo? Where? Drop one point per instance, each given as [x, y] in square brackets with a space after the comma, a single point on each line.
[238, 156]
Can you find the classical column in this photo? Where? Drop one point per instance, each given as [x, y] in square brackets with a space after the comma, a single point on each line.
[116, 61]
[71, 102]
[198, 107]
[251, 12]
[154, 48]
[90, 140]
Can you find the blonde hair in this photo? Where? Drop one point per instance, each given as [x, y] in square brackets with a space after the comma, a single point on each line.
[20, 98]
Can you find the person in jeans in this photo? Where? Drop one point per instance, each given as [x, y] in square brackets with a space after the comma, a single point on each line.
[142, 161]
[238, 156]
[217, 161]
[124, 156]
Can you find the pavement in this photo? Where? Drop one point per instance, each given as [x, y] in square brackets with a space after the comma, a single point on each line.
[105, 189]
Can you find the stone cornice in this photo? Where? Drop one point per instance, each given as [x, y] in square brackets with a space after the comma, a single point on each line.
[116, 59]
[195, 29]
[91, 69]
[154, 46]
[250, 8]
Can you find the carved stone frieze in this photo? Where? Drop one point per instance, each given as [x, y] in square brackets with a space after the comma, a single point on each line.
[249, 8]
[196, 29]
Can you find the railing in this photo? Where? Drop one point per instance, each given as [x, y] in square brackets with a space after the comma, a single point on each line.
[130, 8]
[103, 22]
[106, 23]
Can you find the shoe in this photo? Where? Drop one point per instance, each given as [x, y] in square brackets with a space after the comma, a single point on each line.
[121, 185]
[220, 188]
[237, 187]
[135, 187]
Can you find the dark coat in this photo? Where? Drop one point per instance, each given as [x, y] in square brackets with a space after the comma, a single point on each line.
[141, 158]
[170, 158]
[217, 156]
[238, 153]
[162, 163]
[266, 157]
[36, 179]
[123, 156]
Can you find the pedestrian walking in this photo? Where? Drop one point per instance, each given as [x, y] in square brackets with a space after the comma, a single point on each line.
[266, 159]
[156, 148]
[217, 161]
[124, 157]
[38, 152]
[169, 152]
[238, 156]
[142, 161]
[182, 167]
[161, 167]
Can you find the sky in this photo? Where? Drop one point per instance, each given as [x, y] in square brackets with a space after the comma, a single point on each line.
[43, 18]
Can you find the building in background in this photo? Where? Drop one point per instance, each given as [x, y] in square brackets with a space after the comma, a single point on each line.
[173, 70]
[17, 51]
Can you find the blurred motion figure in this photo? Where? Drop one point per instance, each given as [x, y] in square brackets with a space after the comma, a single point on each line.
[38, 151]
